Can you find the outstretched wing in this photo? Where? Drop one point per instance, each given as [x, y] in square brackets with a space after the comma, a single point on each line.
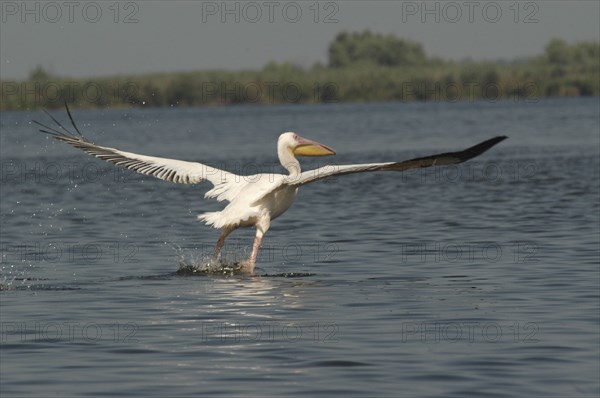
[172, 170]
[427, 161]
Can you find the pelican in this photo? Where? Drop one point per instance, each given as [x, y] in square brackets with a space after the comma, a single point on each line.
[254, 201]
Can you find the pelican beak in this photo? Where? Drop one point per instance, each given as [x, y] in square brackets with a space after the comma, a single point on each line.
[307, 147]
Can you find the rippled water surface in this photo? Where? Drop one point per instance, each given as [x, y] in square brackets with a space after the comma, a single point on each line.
[474, 280]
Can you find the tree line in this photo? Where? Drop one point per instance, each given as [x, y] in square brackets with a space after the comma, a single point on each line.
[361, 67]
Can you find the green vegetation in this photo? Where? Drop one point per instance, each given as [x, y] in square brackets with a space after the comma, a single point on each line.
[352, 49]
[362, 67]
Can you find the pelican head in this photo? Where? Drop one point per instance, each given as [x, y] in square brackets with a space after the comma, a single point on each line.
[291, 145]
[300, 146]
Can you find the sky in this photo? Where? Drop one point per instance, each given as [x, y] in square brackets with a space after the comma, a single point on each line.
[103, 38]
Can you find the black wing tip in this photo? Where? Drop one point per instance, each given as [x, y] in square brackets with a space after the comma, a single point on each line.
[480, 148]
[72, 121]
[492, 141]
[499, 138]
[56, 133]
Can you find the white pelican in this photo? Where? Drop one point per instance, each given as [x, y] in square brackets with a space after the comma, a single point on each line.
[258, 199]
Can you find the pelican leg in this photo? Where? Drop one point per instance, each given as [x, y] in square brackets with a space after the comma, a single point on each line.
[247, 266]
[221, 242]
[255, 248]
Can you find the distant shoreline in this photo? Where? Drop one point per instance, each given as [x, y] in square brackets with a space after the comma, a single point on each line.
[397, 70]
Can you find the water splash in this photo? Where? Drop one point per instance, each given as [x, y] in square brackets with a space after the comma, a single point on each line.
[202, 264]
[194, 263]
[13, 277]
[207, 266]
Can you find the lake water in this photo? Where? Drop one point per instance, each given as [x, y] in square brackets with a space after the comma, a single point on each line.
[475, 280]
